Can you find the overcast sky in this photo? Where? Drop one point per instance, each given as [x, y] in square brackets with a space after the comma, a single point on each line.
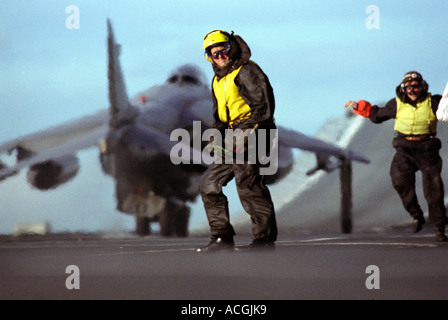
[318, 54]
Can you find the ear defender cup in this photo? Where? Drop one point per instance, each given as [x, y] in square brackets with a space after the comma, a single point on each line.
[208, 58]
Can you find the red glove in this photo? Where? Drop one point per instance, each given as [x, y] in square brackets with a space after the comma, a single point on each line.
[364, 108]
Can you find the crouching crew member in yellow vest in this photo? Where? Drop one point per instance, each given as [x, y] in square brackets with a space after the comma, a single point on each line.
[417, 148]
[243, 99]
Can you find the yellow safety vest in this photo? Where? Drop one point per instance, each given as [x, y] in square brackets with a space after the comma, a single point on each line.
[229, 100]
[416, 120]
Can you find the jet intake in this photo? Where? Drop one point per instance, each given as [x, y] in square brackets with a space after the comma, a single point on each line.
[53, 173]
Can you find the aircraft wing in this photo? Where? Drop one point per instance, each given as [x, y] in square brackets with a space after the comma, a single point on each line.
[294, 139]
[55, 142]
[90, 131]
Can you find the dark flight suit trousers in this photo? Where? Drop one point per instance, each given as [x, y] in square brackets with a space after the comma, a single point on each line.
[253, 193]
[410, 157]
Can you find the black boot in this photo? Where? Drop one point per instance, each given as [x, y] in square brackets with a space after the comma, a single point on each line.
[218, 243]
[417, 223]
[440, 233]
[259, 245]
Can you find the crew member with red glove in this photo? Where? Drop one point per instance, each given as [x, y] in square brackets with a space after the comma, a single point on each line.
[417, 148]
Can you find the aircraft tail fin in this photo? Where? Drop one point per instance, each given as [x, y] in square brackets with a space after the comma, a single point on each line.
[121, 111]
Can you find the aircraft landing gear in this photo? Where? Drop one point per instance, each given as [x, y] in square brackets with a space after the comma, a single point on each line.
[142, 227]
[174, 220]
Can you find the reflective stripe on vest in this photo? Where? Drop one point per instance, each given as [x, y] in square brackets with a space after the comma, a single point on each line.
[228, 97]
[415, 120]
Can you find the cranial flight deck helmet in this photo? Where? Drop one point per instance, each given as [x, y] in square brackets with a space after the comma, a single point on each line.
[413, 76]
[215, 38]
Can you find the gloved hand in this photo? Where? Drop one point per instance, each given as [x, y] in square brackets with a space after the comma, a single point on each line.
[239, 139]
[362, 107]
[213, 146]
[236, 140]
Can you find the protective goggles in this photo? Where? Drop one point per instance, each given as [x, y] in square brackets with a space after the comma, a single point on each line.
[216, 54]
[413, 87]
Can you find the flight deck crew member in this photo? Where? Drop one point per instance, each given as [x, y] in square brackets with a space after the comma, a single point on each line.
[243, 99]
[417, 148]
